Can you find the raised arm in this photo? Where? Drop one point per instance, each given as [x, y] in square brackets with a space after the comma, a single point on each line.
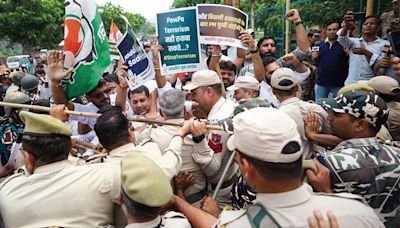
[122, 89]
[301, 34]
[57, 74]
[259, 71]
[155, 50]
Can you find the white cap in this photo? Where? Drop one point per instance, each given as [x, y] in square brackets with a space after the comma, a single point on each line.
[385, 85]
[203, 78]
[245, 82]
[283, 79]
[262, 133]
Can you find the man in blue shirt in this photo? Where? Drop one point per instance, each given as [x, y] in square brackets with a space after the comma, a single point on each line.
[31, 66]
[332, 64]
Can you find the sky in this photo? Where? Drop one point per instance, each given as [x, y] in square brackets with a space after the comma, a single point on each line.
[147, 8]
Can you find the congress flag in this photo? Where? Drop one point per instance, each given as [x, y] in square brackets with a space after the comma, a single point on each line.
[85, 47]
[115, 34]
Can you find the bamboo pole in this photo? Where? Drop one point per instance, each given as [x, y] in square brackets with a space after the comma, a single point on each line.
[287, 36]
[370, 8]
[95, 115]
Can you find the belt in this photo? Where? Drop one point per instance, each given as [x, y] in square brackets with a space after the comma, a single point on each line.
[193, 198]
[227, 183]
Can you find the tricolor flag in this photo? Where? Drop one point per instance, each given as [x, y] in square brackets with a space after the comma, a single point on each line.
[115, 35]
[85, 47]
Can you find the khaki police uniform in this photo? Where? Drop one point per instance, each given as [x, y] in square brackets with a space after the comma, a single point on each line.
[217, 142]
[292, 209]
[144, 182]
[170, 219]
[197, 158]
[298, 110]
[61, 194]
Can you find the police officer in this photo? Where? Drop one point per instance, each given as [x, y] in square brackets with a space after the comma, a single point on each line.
[268, 152]
[54, 192]
[360, 164]
[197, 157]
[285, 87]
[11, 125]
[29, 84]
[16, 78]
[145, 188]
[206, 91]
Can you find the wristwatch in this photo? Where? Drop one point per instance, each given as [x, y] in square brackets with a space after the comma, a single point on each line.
[298, 23]
[254, 51]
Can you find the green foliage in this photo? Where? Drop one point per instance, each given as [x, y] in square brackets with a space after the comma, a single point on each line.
[34, 23]
[39, 23]
[111, 12]
[185, 3]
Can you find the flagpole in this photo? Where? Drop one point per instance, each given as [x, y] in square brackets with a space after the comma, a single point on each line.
[287, 37]
[95, 115]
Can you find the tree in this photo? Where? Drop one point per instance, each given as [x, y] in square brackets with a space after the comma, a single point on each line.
[111, 12]
[34, 23]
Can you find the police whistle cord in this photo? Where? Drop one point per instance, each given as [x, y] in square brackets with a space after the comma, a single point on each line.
[95, 115]
[221, 181]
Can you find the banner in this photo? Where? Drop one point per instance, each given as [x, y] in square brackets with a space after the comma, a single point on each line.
[221, 25]
[85, 47]
[178, 34]
[139, 68]
[115, 35]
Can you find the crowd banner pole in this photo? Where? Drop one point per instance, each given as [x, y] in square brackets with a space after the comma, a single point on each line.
[95, 115]
[287, 29]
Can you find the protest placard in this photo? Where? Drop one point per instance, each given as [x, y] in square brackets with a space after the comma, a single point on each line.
[178, 34]
[221, 25]
[139, 68]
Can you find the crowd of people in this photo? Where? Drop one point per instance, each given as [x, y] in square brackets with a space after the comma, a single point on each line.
[308, 139]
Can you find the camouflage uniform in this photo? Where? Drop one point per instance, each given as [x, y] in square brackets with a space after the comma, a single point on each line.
[389, 23]
[363, 166]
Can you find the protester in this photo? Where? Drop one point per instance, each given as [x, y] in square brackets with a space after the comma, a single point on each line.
[364, 51]
[333, 64]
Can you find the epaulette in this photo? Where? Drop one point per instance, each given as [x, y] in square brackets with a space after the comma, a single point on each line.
[343, 195]
[173, 214]
[8, 179]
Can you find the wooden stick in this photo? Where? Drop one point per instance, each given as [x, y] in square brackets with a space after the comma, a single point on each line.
[95, 115]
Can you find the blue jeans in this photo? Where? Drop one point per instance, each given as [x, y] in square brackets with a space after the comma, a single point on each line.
[323, 92]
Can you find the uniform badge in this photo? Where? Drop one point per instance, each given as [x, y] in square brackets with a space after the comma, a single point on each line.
[215, 143]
